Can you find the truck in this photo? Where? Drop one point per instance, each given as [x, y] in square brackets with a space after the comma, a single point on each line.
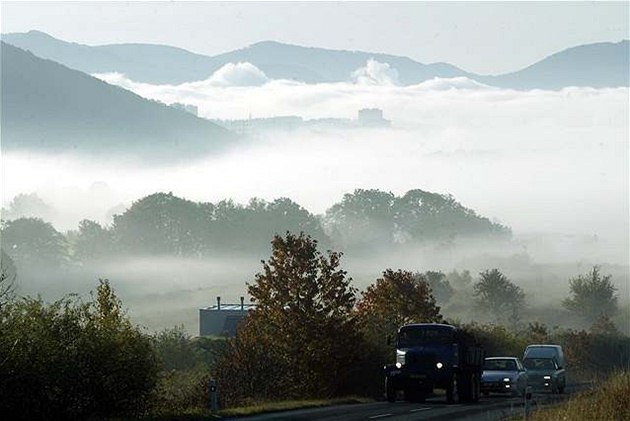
[435, 356]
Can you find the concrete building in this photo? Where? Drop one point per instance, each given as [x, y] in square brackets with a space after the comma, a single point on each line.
[222, 319]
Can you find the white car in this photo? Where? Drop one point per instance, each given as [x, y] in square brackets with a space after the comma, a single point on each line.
[503, 375]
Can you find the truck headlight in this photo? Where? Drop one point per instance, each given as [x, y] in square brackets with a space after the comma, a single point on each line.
[439, 365]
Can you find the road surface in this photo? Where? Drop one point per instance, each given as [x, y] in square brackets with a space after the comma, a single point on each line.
[492, 408]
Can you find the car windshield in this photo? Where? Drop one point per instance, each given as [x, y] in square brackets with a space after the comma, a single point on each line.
[502, 365]
[414, 336]
[539, 364]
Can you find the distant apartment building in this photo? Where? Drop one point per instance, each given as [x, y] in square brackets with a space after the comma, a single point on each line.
[222, 319]
[367, 117]
[256, 125]
[372, 117]
[189, 108]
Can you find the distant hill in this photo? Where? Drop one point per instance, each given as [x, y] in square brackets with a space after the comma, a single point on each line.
[50, 107]
[165, 64]
[156, 64]
[314, 65]
[597, 65]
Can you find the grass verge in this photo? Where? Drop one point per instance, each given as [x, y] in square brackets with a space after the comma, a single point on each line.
[255, 408]
[610, 402]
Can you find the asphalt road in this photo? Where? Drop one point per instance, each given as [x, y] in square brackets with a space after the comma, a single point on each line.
[494, 407]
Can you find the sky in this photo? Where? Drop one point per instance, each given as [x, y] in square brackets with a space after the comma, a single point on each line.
[480, 37]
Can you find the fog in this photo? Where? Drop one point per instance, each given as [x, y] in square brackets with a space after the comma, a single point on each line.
[552, 165]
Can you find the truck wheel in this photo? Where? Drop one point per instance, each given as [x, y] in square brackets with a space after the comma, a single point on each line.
[452, 393]
[390, 391]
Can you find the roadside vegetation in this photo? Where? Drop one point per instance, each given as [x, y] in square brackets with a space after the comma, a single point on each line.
[608, 402]
[312, 339]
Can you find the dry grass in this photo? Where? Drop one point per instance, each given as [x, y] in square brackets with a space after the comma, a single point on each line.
[610, 402]
[254, 408]
[263, 407]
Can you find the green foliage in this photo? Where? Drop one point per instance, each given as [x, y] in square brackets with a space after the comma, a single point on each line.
[27, 205]
[31, 241]
[595, 352]
[497, 340]
[93, 241]
[165, 224]
[8, 275]
[592, 295]
[440, 286]
[180, 391]
[177, 350]
[73, 359]
[497, 295]
[300, 340]
[372, 218]
[162, 224]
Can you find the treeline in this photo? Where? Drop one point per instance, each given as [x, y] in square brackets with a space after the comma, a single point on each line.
[311, 335]
[164, 224]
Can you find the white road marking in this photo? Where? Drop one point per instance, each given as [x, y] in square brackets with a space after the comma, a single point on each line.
[420, 409]
[380, 416]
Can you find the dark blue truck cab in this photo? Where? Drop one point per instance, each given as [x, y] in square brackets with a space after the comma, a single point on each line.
[435, 356]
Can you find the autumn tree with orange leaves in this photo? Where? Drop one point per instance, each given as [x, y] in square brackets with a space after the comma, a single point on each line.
[301, 339]
[397, 298]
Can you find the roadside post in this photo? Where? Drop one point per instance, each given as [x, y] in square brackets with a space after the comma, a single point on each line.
[214, 407]
[528, 398]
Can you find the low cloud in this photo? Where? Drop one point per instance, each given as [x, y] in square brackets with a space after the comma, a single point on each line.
[239, 74]
[376, 73]
[538, 161]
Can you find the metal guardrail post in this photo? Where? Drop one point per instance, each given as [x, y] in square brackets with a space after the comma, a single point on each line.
[214, 406]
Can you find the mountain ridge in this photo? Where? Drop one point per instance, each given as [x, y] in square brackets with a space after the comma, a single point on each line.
[48, 106]
[602, 64]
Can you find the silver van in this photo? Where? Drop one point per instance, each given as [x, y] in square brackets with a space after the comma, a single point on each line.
[546, 367]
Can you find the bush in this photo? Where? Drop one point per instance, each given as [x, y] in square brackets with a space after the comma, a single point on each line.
[73, 359]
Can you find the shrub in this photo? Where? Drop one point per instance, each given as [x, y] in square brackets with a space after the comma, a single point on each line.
[73, 359]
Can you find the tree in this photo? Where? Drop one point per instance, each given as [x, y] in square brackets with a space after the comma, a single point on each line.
[8, 275]
[28, 205]
[31, 241]
[162, 224]
[441, 288]
[396, 299]
[300, 339]
[362, 219]
[93, 241]
[592, 295]
[496, 294]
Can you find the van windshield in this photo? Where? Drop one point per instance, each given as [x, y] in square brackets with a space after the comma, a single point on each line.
[539, 364]
[415, 336]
